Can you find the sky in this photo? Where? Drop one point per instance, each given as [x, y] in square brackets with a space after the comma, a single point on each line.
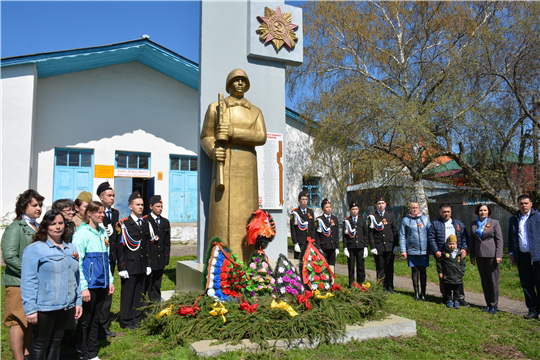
[31, 27]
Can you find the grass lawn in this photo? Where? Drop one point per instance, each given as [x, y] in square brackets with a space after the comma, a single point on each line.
[442, 333]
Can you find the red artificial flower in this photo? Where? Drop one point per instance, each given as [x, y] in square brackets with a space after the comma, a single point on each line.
[336, 287]
[188, 310]
[247, 307]
[321, 286]
[323, 277]
[318, 269]
[223, 276]
[316, 278]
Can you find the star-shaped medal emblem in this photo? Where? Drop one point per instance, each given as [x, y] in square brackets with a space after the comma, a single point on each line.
[278, 28]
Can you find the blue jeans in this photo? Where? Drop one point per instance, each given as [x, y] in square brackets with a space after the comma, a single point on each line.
[529, 275]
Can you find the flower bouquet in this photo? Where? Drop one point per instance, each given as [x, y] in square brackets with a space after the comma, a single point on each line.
[260, 281]
[316, 273]
[288, 279]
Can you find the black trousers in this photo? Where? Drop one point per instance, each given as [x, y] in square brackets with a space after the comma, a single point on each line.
[529, 276]
[87, 330]
[330, 255]
[442, 289]
[48, 333]
[356, 256]
[489, 275]
[131, 300]
[384, 264]
[455, 288]
[105, 315]
[152, 285]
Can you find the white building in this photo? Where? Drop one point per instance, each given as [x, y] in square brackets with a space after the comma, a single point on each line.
[126, 113]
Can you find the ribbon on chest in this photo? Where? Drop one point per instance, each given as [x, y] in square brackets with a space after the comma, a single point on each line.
[302, 225]
[349, 229]
[374, 224]
[127, 240]
[322, 228]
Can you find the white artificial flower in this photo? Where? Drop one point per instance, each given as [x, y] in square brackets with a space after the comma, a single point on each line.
[293, 268]
[279, 280]
[216, 252]
[326, 285]
[211, 292]
[211, 284]
[313, 286]
[214, 261]
[282, 290]
[281, 269]
[285, 263]
[212, 269]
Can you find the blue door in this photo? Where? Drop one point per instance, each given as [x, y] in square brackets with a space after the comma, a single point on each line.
[183, 189]
[73, 173]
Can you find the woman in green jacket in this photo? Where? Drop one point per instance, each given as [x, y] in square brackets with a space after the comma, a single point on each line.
[17, 236]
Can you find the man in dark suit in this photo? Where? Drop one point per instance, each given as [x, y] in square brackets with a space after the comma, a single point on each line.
[302, 224]
[524, 249]
[328, 234]
[355, 243]
[106, 195]
[383, 237]
[133, 262]
[160, 247]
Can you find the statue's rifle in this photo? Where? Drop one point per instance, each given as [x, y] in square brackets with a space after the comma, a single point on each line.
[221, 140]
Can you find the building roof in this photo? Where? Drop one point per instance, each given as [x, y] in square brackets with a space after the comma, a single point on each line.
[143, 50]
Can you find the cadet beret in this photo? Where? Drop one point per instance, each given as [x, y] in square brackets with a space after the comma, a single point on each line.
[85, 196]
[134, 196]
[353, 204]
[324, 202]
[102, 187]
[302, 194]
[379, 198]
[155, 199]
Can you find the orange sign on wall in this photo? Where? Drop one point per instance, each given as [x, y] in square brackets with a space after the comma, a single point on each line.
[160, 175]
[104, 171]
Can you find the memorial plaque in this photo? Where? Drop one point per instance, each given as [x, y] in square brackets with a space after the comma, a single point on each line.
[270, 172]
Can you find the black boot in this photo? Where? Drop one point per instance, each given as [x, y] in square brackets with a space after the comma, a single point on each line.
[416, 295]
[423, 295]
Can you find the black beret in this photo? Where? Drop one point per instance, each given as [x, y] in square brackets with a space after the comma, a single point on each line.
[324, 202]
[302, 194]
[155, 199]
[379, 198]
[134, 196]
[353, 204]
[103, 187]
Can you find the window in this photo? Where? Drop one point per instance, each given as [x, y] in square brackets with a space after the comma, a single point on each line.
[131, 160]
[183, 163]
[73, 158]
[311, 185]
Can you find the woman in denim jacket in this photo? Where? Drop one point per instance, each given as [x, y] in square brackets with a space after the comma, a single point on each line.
[413, 245]
[92, 244]
[50, 285]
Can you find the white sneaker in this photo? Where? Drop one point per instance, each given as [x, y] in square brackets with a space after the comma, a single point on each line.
[95, 358]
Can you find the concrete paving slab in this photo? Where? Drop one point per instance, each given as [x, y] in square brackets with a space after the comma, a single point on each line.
[391, 326]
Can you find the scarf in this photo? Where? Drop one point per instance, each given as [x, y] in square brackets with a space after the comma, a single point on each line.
[481, 226]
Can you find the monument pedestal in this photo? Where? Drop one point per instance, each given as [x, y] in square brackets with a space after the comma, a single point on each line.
[189, 274]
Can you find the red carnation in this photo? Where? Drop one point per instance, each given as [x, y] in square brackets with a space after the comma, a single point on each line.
[317, 269]
[317, 278]
[323, 277]
[321, 286]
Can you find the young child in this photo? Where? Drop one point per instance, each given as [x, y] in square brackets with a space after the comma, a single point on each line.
[451, 269]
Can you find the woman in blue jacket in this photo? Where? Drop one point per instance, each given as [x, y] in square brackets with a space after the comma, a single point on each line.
[50, 285]
[95, 274]
[414, 246]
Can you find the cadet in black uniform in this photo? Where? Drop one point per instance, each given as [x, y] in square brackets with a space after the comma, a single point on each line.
[328, 233]
[302, 224]
[355, 243]
[133, 262]
[383, 237]
[160, 247]
[106, 196]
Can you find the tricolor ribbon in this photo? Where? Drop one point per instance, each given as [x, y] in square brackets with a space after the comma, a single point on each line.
[127, 240]
[304, 299]
[319, 296]
[349, 229]
[165, 312]
[323, 229]
[374, 224]
[219, 309]
[188, 310]
[283, 305]
[302, 225]
[247, 307]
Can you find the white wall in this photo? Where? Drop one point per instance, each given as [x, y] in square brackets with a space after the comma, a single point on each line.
[18, 90]
[299, 163]
[128, 107]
